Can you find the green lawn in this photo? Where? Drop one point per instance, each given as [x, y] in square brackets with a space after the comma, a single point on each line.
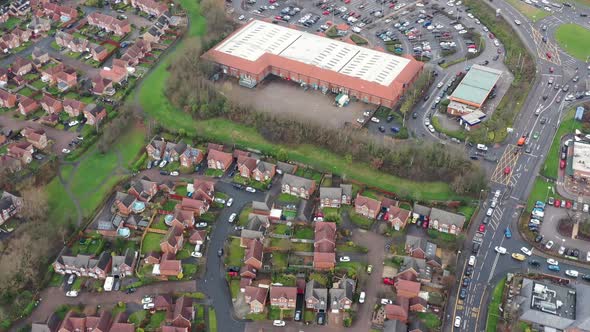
[137, 317]
[169, 205]
[244, 216]
[298, 246]
[567, 126]
[27, 92]
[540, 192]
[302, 232]
[360, 221]
[493, 309]
[234, 288]
[574, 39]
[431, 320]
[11, 23]
[93, 179]
[235, 253]
[212, 320]
[156, 320]
[279, 260]
[530, 11]
[151, 242]
[351, 268]
[288, 198]
[159, 223]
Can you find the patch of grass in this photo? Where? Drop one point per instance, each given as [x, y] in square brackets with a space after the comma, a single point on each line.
[351, 268]
[156, 320]
[309, 316]
[244, 216]
[215, 173]
[531, 12]
[151, 242]
[188, 271]
[282, 229]
[431, 320]
[574, 39]
[77, 285]
[256, 317]
[234, 288]
[138, 317]
[27, 92]
[351, 247]
[11, 23]
[283, 244]
[186, 251]
[458, 134]
[279, 260]
[288, 198]
[159, 223]
[568, 125]
[360, 221]
[212, 320]
[540, 192]
[235, 253]
[169, 205]
[358, 39]
[304, 233]
[298, 246]
[493, 308]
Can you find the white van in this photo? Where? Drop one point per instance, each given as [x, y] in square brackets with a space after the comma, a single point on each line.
[471, 261]
[482, 147]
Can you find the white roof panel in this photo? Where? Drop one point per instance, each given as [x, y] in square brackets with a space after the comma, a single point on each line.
[260, 37]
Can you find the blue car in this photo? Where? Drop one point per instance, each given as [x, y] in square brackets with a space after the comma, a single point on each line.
[395, 129]
[508, 233]
[539, 205]
[554, 268]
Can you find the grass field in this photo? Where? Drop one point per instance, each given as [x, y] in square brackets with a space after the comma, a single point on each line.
[568, 125]
[151, 242]
[93, 178]
[533, 13]
[155, 103]
[493, 310]
[574, 39]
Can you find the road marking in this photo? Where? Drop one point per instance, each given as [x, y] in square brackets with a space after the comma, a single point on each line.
[494, 266]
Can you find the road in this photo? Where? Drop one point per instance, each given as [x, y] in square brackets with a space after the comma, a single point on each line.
[490, 267]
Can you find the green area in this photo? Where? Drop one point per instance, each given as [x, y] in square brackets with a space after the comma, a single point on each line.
[212, 320]
[282, 229]
[151, 242]
[304, 233]
[574, 39]
[279, 260]
[431, 320]
[234, 288]
[531, 12]
[137, 317]
[360, 221]
[568, 126]
[540, 192]
[288, 198]
[235, 253]
[300, 246]
[156, 320]
[93, 179]
[309, 316]
[494, 307]
[351, 268]
[11, 23]
[169, 205]
[358, 39]
[283, 244]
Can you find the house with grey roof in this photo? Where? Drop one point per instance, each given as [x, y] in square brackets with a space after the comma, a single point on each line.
[422, 211]
[247, 235]
[9, 206]
[286, 168]
[260, 208]
[83, 265]
[257, 222]
[419, 247]
[341, 294]
[446, 222]
[415, 269]
[395, 326]
[316, 296]
[123, 265]
[297, 186]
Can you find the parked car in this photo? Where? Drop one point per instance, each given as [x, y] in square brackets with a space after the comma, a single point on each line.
[148, 306]
[250, 190]
[572, 273]
[362, 297]
[526, 251]
[552, 261]
[534, 263]
[71, 279]
[174, 173]
[554, 268]
[201, 225]
[549, 245]
[344, 259]
[388, 281]
[386, 301]
[518, 257]
[229, 202]
[72, 293]
[458, 321]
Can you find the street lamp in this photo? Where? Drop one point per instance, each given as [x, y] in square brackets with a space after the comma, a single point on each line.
[547, 195]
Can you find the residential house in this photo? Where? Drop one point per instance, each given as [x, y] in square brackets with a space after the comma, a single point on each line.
[246, 165]
[191, 157]
[325, 236]
[51, 105]
[397, 217]
[253, 254]
[341, 295]
[49, 119]
[422, 211]
[143, 189]
[9, 41]
[22, 151]
[183, 313]
[22, 35]
[203, 190]
[37, 137]
[316, 297]
[248, 235]
[168, 267]
[27, 105]
[123, 203]
[283, 297]
[150, 7]
[115, 74]
[197, 207]
[39, 25]
[3, 79]
[7, 99]
[260, 208]
[418, 304]
[407, 288]
[219, 160]
[398, 311]
[102, 86]
[73, 107]
[51, 325]
[40, 57]
[417, 326]
[255, 297]
[258, 222]
[99, 53]
[83, 265]
[61, 75]
[174, 240]
[120, 324]
[173, 151]
[21, 66]
[10, 163]
[414, 269]
[163, 302]
[394, 326]
[71, 42]
[446, 222]
[152, 258]
[334, 197]
[109, 23]
[248, 271]
[213, 146]
[297, 186]
[197, 237]
[19, 8]
[136, 52]
[419, 247]
[9, 206]
[286, 168]
[366, 206]
[73, 322]
[324, 260]
[94, 114]
[153, 35]
[57, 12]
[185, 217]
[155, 149]
[264, 171]
[123, 265]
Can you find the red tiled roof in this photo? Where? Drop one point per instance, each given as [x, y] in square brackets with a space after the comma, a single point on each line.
[407, 287]
[216, 155]
[372, 204]
[324, 257]
[257, 293]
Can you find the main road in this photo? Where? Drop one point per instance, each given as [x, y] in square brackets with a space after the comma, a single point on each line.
[490, 266]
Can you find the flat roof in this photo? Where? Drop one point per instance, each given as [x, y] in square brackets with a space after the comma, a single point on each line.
[581, 157]
[477, 84]
[259, 38]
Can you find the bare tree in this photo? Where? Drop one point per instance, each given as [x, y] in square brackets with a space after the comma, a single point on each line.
[34, 204]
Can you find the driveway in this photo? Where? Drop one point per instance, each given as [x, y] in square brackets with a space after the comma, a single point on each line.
[60, 137]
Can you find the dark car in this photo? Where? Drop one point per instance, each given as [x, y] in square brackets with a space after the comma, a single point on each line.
[576, 253]
[441, 61]
[539, 238]
[473, 157]
[381, 129]
[469, 271]
[389, 118]
[164, 173]
[233, 269]
[220, 252]
[130, 290]
[466, 282]
[475, 248]
[321, 319]
[463, 293]
[414, 115]
[534, 263]
[586, 277]
[237, 186]
[486, 220]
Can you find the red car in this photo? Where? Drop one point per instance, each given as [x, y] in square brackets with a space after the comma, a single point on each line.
[506, 170]
[425, 224]
[272, 1]
[232, 274]
[482, 228]
[568, 204]
[491, 35]
[278, 17]
[557, 203]
[326, 12]
[562, 164]
[346, 1]
[548, 54]
[551, 69]
[388, 281]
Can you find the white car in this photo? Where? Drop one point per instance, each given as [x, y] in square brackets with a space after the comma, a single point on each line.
[437, 100]
[535, 221]
[457, 321]
[163, 163]
[549, 245]
[493, 203]
[562, 250]
[174, 173]
[500, 250]
[362, 297]
[241, 18]
[477, 21]
[431, 128]
[72, 293]
[586, 208]
[386, 301]
[149, 306]
[497, 193]
[279, 323]
[440, 85]
[201, 225]
[552, 261]
[470, 15]
[588, 256]
[461, 32]
[374, 119]
[517, 22]
[526, 251]
[250, 190]
[489, 212]
[482, 147]
[71, 279]
[471, 261]
[572, 273]
[367, 113]
[147, 300]
[344, 259]
[229, 202]
[426, 122]
[73, 123]
[497, 43]
[196, 254]
[219, 200]
[66, 151]
[232, 217]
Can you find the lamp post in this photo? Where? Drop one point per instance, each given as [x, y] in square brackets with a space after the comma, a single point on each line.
[547, 195]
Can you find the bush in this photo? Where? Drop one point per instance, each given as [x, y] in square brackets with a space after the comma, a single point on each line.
[358, 40]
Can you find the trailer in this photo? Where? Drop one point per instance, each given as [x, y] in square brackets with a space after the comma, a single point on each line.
[108, 284]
